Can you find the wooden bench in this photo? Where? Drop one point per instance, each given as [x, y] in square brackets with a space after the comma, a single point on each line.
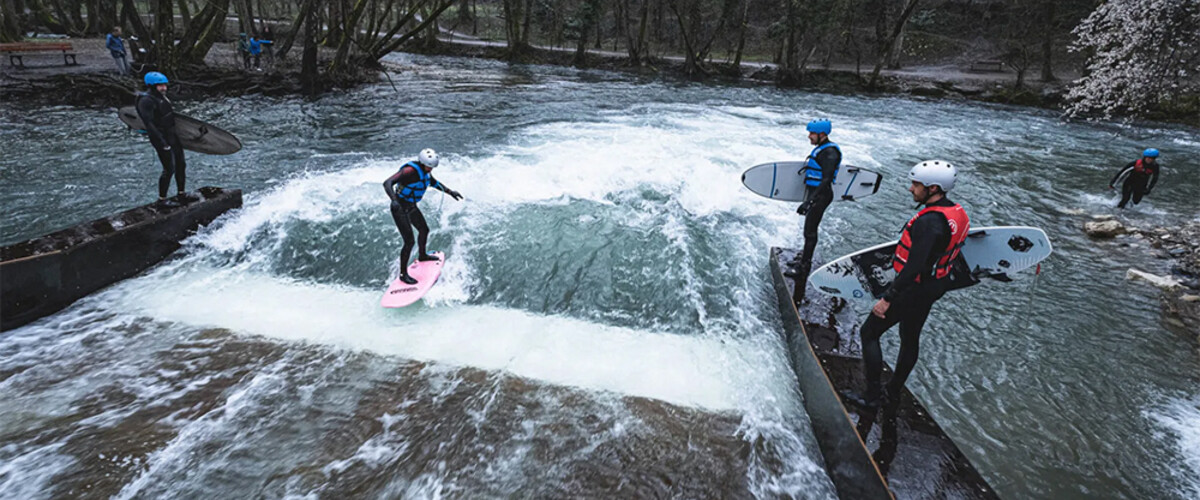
[988, 65]
[16, 58]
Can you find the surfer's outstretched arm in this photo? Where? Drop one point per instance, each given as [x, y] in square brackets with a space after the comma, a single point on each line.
[1113, 182]
[442, 187]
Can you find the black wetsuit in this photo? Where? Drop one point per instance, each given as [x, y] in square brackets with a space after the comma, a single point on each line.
[818, 199]
[1137, 184]
[407, 214]
[159, 119]
[910, 303]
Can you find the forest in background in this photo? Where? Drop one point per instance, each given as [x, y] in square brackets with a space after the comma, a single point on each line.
[1125, 57]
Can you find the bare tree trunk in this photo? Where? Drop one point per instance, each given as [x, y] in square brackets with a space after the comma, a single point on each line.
[588, 13]
[309, 79]
[741, 45]
[164, 37]
[893, 60]
[887, 47]
[204, 30]
[184, 14]
[294, 32]
[130, 14]
[10, 25]
[1048, 40]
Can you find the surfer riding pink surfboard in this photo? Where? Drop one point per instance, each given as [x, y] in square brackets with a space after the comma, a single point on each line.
[406, 188]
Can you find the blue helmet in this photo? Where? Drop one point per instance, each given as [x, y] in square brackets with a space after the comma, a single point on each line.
[1150, 153]
[155, 78]
[820, 126]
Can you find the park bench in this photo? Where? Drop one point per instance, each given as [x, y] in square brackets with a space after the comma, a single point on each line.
[17, 51]
[988, 65]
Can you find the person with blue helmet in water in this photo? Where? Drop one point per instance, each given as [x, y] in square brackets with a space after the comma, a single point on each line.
[819, 173]
[158, 118]
[1141, 176]
[406, 188]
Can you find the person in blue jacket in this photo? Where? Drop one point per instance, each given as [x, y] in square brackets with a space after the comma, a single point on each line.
[116, 47]
[256, 52]
[406, 188]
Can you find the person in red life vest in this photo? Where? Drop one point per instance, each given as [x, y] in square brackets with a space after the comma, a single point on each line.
[929, 243]
[1142, 175]
[406, 188]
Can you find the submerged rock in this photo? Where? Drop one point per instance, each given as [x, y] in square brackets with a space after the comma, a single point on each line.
[1103, 229]
[1163, 282]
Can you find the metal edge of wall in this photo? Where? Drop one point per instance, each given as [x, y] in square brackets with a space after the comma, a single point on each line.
[35, 286]
[847, 460]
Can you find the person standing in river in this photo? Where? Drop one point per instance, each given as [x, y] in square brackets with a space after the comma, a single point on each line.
[1141, 176]
[929, 243]
[819, 173]
[406, 188]
[158, 118]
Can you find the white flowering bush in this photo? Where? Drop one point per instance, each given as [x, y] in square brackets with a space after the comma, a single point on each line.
[1141, 54]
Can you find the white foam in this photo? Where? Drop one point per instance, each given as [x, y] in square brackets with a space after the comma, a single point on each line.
[1182, 418]
[688, 370]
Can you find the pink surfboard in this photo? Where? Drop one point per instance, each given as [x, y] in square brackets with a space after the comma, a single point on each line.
[401, 294]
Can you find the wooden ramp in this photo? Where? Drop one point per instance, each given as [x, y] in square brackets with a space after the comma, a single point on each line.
[900, 453]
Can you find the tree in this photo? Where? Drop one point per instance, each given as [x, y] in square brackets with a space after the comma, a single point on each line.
[1144, 53]
[887, 43]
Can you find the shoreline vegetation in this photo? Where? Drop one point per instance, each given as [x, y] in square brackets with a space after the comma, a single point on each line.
[1053, 54]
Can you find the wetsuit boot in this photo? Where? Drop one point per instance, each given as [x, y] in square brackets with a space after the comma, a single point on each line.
[426, 258]
[408, 280]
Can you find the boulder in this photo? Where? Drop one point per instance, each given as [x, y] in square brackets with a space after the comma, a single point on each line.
[1103, 229]
[1163, 282]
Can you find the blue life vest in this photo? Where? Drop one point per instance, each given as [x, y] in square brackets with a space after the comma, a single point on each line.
[413, 193]
[812, 169]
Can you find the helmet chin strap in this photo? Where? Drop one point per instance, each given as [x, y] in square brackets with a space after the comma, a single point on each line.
[928, 194]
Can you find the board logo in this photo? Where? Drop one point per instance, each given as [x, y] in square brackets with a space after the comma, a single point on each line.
[1020, 243]
[858, 294]
[953, 226]
[402, 290]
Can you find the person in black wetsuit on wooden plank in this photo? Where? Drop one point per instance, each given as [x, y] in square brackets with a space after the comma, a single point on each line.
[929, 243]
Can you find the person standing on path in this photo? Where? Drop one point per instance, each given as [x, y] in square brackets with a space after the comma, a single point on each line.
[116, 47]
[1141, 176]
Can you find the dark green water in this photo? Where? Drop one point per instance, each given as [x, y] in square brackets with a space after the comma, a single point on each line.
[606, 321]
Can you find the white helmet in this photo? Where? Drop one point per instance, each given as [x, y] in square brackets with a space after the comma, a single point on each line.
[934, 173]
[428, 157]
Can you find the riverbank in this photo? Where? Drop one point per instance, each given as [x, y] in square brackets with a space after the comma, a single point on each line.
[1181, 289]
[94, 82]
[934, 81]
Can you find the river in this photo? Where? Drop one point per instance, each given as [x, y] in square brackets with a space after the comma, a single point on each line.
[605, 322]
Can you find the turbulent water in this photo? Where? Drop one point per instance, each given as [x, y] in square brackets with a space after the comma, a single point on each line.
[605, 323]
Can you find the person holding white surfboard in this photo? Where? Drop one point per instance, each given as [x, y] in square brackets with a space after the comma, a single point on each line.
[929, 243]
[1140, 177]
[820, 171]
[406, 188]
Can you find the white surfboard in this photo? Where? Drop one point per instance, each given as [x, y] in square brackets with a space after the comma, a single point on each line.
[784, 181]
[989, 252]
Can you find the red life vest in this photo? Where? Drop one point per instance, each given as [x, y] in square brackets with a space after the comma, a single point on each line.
[959, 223]
[1141, 169]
